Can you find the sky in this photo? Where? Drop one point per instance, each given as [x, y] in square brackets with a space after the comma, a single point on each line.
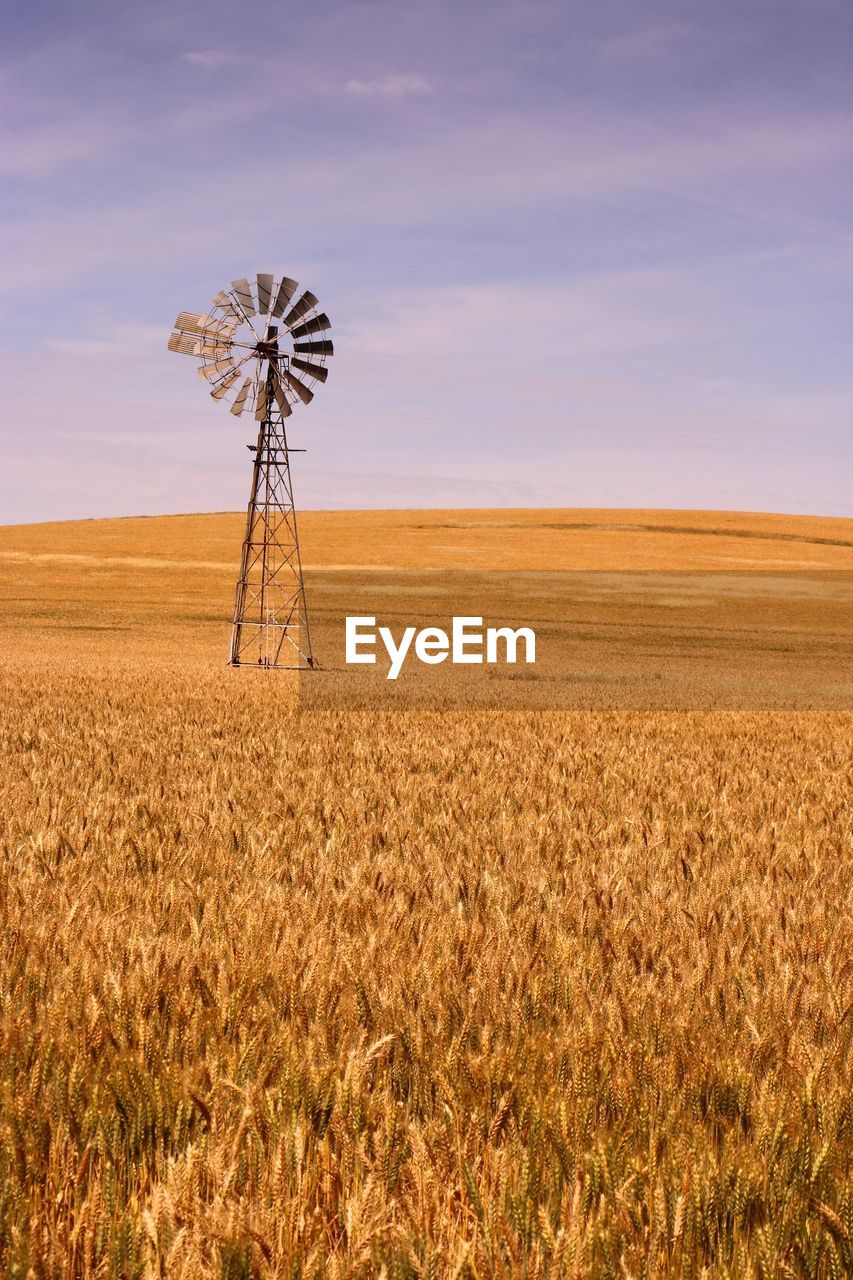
[578, 254]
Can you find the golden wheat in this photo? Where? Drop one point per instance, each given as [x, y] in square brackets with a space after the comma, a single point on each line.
[416, 995]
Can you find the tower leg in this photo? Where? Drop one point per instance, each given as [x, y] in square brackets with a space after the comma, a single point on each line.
[270, 627]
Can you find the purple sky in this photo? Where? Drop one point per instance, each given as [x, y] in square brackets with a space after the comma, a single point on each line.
[577, 254]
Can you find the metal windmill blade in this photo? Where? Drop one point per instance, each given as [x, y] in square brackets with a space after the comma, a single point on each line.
[319, 324]
[242, 396]
[324, 348]
[299, 309]
[183, 344]
[225, 303]
[205, 326]
[295, 384]
[281, 398]
[286, 290]
[266, 377]
[212, 326]
[318, 371]
[208, 351]
[261, 402]
[243, 296]
[216, 367]
[188, 322]
[222, 388]
[264, 290]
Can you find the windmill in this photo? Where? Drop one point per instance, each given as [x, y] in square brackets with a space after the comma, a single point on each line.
[264, 368]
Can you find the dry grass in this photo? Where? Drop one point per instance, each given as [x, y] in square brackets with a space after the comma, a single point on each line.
[351, 994]
[572, 538]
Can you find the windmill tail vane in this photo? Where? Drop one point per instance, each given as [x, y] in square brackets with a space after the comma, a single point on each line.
[263, 350]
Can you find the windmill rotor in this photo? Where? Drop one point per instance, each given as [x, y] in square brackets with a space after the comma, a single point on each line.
[240, 336]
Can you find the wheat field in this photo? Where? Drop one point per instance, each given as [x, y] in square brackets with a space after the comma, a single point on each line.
[419, 994]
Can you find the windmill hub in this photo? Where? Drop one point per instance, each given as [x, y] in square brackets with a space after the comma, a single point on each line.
[241, 360]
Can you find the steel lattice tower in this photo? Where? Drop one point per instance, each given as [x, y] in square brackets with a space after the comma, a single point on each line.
[270, 627]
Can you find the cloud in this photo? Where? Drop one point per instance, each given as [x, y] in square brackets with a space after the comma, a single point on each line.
[123, 340]
[649, 43]
[542, 325]
[391, 86]
[733, 177]
[210, 58]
